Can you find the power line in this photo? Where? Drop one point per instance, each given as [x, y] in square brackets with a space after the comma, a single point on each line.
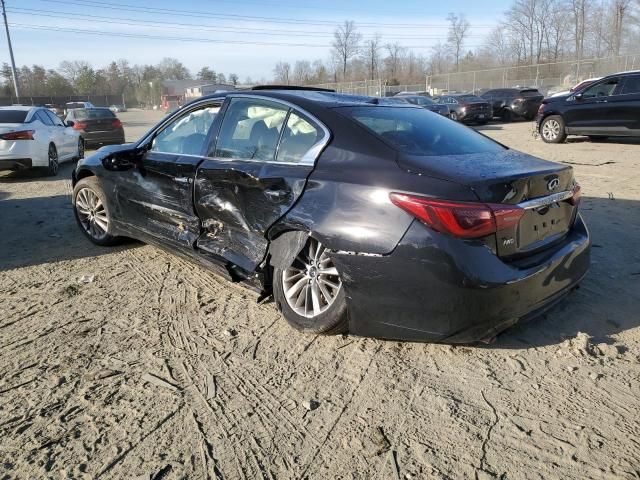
[199, 14]
[180, 39]
[200, 27]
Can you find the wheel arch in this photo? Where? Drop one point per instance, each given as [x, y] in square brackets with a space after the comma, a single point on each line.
[82, 173]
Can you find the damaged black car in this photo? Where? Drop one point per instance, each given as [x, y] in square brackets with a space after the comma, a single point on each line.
[380, 220]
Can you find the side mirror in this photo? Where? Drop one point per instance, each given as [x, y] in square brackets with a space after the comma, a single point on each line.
[578, 96]
[70, 123]
[122, 160]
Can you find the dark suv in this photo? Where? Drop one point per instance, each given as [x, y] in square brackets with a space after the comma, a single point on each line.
[606, 108]
[511, 103]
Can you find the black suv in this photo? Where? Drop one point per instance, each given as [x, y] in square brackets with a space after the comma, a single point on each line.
[512, 103]
[607, 108]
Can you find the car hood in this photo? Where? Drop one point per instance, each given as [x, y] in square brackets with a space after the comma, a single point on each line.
[507, 177]
[557, 98]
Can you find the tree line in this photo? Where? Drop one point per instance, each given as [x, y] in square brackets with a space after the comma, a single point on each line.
[528, 33]
[137, 83]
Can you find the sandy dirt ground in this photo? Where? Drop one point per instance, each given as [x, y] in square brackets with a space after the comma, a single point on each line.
[158, 369]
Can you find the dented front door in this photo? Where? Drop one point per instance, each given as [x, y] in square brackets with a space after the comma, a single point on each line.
[264, 153]
[156, 195]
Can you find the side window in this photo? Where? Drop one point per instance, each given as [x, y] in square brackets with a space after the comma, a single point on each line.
[187, 133]
[250, 130]
[54, 118]
[631, 85]
[44, 118]
[298, 138]
[602, 89]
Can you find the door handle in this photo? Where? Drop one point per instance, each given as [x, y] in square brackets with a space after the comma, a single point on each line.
[182, 179]
[276, 194]
[601, 101]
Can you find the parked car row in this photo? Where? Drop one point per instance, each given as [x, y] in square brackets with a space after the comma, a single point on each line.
[35, 137]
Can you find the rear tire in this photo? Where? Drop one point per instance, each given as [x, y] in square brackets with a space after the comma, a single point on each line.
[54, 163]
[80, 149]
[92, 213]
[316, 301]
[552, 129]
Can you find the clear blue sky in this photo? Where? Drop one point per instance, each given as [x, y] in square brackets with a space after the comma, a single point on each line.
[47, 31]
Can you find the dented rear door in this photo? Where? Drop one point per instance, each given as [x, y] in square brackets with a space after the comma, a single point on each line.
[258, 169]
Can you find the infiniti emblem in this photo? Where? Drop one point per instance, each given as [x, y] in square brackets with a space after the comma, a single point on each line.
[553, 184]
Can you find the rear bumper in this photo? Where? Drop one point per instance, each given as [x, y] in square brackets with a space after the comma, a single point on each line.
[437, 288]
[476, 116]
[103, 138]
[15, 163]
[526, 110]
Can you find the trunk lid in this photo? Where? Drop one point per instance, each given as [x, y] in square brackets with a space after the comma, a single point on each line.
[99, 124]
[538, 186]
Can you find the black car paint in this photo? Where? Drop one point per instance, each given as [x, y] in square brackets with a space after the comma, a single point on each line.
[520, 102]
[614, 115]
[476, 110]
[458, 290]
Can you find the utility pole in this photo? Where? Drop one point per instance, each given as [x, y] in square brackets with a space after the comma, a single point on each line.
[13, 62]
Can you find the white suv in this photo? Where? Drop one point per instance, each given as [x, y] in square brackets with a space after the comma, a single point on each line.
[36, 137]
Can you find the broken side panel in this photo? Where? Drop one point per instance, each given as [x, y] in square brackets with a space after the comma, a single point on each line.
[238, 200]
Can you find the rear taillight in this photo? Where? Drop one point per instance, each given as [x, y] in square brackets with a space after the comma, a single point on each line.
[116, 123]
[21, 135]
[460, 219]
[79, 126]
[577, 194]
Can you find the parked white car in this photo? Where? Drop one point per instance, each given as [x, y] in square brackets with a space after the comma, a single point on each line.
[32, 137]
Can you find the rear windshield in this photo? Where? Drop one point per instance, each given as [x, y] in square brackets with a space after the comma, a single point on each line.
[416, 131]
[90, 113]
[530, 93]
[13, 116]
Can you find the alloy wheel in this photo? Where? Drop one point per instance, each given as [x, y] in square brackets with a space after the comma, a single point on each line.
[53, 160]
[454, 116]
[551, 129]
[92, 214]
[312, 282]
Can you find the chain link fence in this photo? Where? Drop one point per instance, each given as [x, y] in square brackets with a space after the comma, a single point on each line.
[547, 77]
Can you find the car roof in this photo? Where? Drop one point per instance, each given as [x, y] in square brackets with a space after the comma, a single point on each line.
[304, 98]
[19, 107]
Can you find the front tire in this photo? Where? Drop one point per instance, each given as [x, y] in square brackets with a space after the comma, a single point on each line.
[552, 129]
[309, 292]
[92, 213]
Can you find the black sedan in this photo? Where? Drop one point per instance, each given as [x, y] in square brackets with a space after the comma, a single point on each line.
[421, 101]
[512, 103]
[382, 220]
[467, 108]
[98, 126]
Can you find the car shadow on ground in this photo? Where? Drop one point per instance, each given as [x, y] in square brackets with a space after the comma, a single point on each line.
[38, 174]
[41, 230]
[615, 140]
[607, 301]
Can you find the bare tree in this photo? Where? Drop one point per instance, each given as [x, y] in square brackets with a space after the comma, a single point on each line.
[578, 10]
[346, 44]
[70, 69]
[394, 58]
[620, 11]
[371, 55]
[282, 73]
[458, 30]
[302, 72]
